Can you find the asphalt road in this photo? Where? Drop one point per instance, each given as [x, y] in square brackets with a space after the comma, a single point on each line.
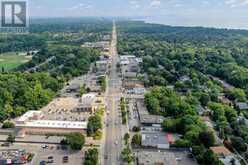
[113, 134]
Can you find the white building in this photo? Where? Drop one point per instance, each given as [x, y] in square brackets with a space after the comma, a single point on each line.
[32, 123]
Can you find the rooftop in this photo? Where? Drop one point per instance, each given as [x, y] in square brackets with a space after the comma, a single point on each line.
[28, 115]
[156, 158]
[154, 139]
[221, 150]
[151, 119]
[242, 105]
[54, 124]
[88, 99]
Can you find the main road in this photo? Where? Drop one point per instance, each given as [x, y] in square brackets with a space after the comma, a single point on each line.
[113, 132]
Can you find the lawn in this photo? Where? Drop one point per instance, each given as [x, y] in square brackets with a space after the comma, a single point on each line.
[11, 60]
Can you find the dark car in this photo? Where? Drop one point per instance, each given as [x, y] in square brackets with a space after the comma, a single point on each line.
[65, 159]
[43, 162]
[5, 144]
[50, 157]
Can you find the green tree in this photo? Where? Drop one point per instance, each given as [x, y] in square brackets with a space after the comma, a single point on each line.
[11, 138]
[204, 99]
[76, 141]
[94, 124]
[238, 144]
[126, 138]
[8, 124]
[127, 155]
[91, 157]
[82, 90]
[136, 140]
[207, 138]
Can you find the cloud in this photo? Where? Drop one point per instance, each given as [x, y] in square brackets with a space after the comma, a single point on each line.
[80, 6]
[236, 3]
[205, 2]
[155, 3]
[178, 5]
[134, 4]
[244, 2]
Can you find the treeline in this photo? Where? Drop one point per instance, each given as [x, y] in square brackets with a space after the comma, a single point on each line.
[20, 92]
[68, 61]
[56, 30]
[25, 42]
[73, 25]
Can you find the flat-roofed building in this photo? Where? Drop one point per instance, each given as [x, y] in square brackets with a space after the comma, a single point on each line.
[156, 158]
[130, 66]
[150, 120]
[130, 84]
[32, 123]
[101, 45]
[29, 116]
[157, 140]
[102, 66]
[90, 102]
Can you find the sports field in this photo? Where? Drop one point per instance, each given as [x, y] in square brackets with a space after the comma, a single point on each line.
[11, 60]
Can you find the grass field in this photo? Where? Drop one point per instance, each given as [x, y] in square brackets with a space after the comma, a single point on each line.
[11, 60]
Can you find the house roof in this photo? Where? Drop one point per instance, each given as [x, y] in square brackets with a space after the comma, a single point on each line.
[221, 150]
[242, 105]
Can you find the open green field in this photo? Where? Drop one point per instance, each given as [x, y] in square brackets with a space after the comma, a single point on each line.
[11, 60]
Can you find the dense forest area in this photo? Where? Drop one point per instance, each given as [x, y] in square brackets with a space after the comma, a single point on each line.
[187, 68]
[20, 92]
[57, 56]
[43, 32]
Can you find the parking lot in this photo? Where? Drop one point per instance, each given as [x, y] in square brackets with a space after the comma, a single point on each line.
[51, 154]
[64, 109]
[176, 157]
[133, 118]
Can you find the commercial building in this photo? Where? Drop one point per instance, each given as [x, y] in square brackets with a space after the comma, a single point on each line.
[102, 45]
[157, 140]
[145, 118]
[32, 122]
[90, 103]
[137, 91]
[129, 66]
[130, 84]
[156, 158]
[151, 120]
[102, 66]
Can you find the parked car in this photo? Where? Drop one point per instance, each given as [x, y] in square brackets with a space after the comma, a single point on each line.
[50, 161]
[5, 144]
[43, 162]
[65, 159]
[50, 157]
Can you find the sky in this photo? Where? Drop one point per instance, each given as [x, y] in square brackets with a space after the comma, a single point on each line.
[208, 13]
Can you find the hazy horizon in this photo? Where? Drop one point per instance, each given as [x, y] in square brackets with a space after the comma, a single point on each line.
[206, 13]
